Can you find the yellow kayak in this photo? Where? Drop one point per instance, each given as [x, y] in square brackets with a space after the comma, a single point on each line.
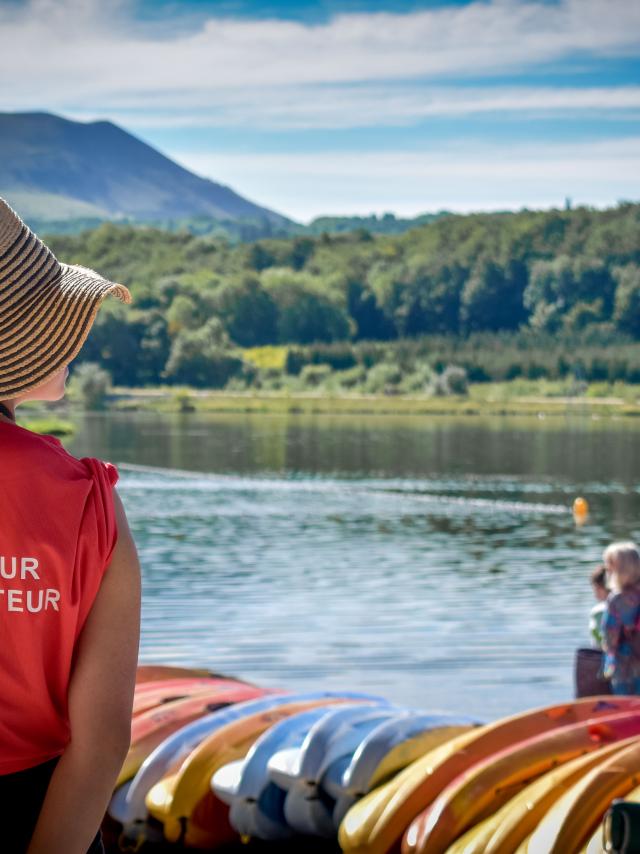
[489, 784]
[519, 817]
[571, 822]
[408, 751]
[377, 822]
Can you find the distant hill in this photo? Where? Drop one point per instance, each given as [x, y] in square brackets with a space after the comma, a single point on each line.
[54, 169]
[64, 177]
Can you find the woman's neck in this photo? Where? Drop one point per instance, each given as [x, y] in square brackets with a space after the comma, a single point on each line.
[7, 410]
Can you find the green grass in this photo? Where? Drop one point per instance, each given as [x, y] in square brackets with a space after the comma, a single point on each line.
[520, 397]
[270, 357]
[48, 426]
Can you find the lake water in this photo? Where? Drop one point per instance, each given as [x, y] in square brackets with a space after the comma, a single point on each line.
[434, 561]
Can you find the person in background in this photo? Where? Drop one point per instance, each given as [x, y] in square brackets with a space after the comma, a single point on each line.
[620, 621]
[69, 572]
[600, 591]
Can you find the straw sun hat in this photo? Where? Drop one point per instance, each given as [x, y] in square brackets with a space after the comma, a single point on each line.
[46, 308]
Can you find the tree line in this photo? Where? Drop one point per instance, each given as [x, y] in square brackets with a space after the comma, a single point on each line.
[519, 283]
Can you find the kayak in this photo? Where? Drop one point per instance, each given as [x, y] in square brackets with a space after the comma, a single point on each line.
[128, 802]
[157, 692]
[256, 803]
[377, 822]
[155, 672]
[572, 820]
[519, 817]
[387, 750]
[395, 744]
[330, 744]
[486, 786]
[184, 802]
[150, 728]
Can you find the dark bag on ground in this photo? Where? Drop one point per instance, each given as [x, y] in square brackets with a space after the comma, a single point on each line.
[589, 681]
[622, 828]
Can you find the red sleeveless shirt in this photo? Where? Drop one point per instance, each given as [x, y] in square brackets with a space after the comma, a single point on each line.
[57, 534]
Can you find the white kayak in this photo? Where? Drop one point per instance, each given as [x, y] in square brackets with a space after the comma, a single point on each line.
[256, 803]
[385, 751]
[333, 739]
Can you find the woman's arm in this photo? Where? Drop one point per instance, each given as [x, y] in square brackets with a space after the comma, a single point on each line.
[611, 636]
[100, 704]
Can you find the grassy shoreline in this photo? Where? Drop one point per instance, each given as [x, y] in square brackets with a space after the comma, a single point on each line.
[489, 399]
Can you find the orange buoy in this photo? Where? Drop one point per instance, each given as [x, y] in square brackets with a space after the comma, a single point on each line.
[581, 509]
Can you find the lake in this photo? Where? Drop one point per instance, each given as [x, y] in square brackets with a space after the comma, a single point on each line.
[434, 561]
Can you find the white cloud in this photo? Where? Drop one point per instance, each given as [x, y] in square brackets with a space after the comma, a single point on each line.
[373, 106]
[461, 178]
[89, 59]
[85, 54]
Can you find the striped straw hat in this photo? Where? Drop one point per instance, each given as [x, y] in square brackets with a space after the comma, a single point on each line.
[46, 308]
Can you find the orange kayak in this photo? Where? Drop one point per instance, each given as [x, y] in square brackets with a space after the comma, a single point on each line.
[377, 823]
[150, 728]
[506, 829]
[489, 784]
[154, 672]
[148, 695]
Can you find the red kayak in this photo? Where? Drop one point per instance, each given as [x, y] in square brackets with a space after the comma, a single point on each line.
[149, 695]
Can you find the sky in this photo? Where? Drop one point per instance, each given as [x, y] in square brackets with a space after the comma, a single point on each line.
[351, 106]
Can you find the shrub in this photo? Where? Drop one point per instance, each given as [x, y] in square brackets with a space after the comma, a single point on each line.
[420, 380]
[202, 357]
[383, 378]
[91, 384]
[315, 375]
[453, 380]
[184, 401]
[351, 378]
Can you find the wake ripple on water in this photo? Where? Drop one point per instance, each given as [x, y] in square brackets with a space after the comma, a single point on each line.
[204, 482]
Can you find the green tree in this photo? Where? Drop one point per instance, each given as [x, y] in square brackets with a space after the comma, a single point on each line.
[431, 298]
[182, 314]
[626, 313]
[302, 248]
[492, 297]
[369, 319]
[305, 313]
[258, 257]
[564, 283]
[248, 311]
[583, 314]
[201, 357]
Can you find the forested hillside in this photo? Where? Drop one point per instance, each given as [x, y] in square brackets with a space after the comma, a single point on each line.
[536, 285]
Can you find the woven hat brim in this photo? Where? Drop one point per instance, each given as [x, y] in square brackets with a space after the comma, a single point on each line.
[40, 335]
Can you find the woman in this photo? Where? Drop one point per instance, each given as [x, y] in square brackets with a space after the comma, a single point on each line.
[621, 618]
[69, 572]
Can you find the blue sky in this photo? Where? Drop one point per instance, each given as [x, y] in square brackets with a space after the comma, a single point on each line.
[352, 106]
[307, 12]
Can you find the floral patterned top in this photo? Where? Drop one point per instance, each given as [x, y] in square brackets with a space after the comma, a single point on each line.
[619, 622]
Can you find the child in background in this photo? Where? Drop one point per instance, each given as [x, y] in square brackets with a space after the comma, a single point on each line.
[621, 639]
[600, 591]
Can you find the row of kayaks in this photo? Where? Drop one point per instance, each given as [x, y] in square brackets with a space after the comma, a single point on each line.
[214, 759]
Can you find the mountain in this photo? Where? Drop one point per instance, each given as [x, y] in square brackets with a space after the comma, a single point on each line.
[54, 169]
